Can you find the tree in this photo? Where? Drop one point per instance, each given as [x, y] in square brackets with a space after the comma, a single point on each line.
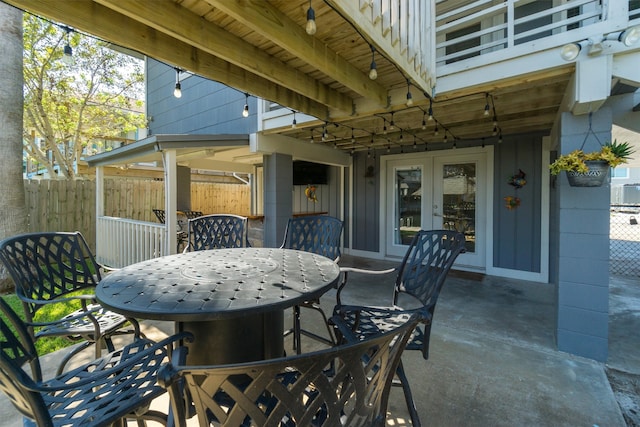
[71, 109]
[13, 216]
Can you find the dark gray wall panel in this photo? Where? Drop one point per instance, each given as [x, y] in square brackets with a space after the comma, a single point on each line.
[366, 203]
[517, 231]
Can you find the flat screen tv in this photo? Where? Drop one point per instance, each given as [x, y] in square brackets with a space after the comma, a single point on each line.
[309, 173]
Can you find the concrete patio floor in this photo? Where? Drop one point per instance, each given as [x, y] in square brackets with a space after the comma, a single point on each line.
[492, 360]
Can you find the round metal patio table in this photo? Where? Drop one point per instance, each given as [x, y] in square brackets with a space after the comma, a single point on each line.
[232, 300]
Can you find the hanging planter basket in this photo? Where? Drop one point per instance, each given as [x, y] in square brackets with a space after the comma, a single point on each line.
[594, 177]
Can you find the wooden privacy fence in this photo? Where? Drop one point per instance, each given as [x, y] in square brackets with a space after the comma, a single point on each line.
[70, 205]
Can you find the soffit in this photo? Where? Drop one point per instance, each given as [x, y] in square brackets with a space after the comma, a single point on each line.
[212, 38]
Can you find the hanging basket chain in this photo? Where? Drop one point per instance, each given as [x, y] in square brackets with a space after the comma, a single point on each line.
[590, 131]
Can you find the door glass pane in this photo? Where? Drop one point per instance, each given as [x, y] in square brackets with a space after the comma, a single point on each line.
[459, 201]
[408, 202]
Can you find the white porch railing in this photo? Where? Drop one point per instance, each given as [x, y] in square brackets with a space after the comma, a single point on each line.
[486, 26]
[121, 242]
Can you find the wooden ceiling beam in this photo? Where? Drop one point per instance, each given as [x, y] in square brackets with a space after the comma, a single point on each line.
[107, 24]
[177, 22]
[268, 21]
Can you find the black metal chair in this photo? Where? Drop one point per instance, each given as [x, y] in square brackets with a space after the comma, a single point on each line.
[420, 276]
[319, 234]
[54, 268]
[346, 385]
[217, 231]
[120, 385]
[160, 214]
[192, 214]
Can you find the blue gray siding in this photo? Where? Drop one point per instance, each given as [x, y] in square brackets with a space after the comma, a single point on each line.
[366, 203]
[205, 107]
[517, 231]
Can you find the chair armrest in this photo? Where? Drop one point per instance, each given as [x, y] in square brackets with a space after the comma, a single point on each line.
[95, 371]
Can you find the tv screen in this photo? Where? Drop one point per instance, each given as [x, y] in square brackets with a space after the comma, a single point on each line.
[309, 173]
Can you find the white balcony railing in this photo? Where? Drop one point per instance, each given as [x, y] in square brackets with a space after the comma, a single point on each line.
[121, 242]
[484, 27]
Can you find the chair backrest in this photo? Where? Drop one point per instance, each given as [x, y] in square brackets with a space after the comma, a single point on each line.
[160, 215]
[17, 350]
[48, 265]
[344, 385]
[426, 264]
[319, 234]
[192, 214]
[217, 232]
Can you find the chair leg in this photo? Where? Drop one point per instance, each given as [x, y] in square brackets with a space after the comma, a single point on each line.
[408, 396]
[297, 342]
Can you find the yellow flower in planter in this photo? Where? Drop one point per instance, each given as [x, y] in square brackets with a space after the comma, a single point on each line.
[614, 153]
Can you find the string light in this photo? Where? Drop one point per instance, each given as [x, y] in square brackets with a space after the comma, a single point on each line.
[424, 121]
[245, 110]
[177, 91]
[294, 123]
[311, 137]
[311, 27]
[486, 105]
[373, 69]
[430, 109]
[392, 124]
[67, 57]
[409, 96]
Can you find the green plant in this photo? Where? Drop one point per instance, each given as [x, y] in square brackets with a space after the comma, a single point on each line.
[614, 153]
[44, 345]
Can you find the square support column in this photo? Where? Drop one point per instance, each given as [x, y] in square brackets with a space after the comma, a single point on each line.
[582, 239]
[278, 197]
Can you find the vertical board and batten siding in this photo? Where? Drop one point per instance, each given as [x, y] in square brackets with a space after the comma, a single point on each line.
[327, 195]
[366, 203]
[517, 232]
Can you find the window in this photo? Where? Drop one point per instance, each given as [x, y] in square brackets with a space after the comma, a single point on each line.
[620, 173]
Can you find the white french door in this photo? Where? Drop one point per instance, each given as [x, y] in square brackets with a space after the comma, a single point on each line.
[437, 191]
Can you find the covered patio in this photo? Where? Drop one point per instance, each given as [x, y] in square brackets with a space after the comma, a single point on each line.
[492, 358]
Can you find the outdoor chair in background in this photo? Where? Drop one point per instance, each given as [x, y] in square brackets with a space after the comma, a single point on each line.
[120, 385]
[160, 215]
[192, 214]
[53, 269]
[217, 231]
[346, 385]
[182, 235]
[319, 234]
[420, 277]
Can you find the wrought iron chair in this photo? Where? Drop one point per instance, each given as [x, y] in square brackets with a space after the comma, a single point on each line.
[55, 268]
[217, 231]
[319, 234]
[420, 276]
[120, 385]
[160, 214]
[345, 385]
[192, 214]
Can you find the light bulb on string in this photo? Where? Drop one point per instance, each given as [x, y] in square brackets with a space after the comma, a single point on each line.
[373, 69]
[294, 123]
[67, 56]
[245, 109]
[311, 27]
[486, 105]
[409, 102]
[177, 91]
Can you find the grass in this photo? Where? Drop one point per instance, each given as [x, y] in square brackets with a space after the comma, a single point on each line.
[48, 313]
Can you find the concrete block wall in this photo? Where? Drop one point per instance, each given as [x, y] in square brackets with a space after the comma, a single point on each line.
[583, 246]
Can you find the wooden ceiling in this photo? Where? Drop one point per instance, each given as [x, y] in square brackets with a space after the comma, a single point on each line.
[262, 48]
